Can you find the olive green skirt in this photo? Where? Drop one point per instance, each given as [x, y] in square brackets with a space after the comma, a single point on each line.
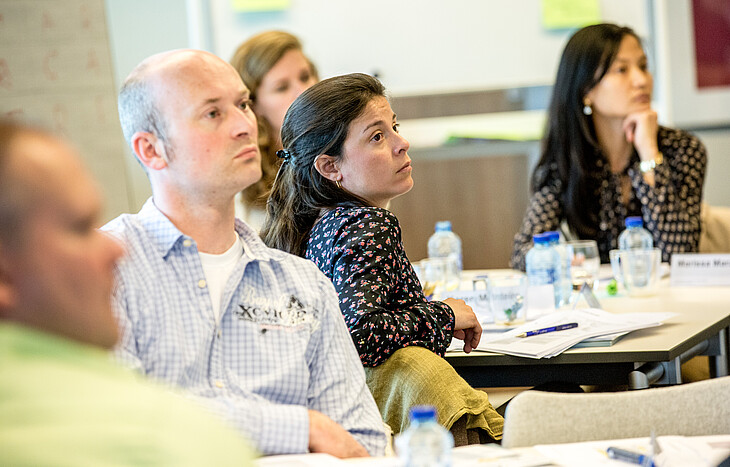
[417, 376]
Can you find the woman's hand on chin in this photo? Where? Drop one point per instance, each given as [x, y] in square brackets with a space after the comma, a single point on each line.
[641, 130]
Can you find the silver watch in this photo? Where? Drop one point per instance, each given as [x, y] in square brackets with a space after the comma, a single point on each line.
[646, 166]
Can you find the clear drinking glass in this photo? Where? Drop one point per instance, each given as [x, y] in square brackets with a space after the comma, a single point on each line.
[438, 276]
[637, 270]
[584, 263]
[507, 294]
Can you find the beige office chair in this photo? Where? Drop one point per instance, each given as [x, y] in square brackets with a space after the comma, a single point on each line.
[715, 236]
[536, 417]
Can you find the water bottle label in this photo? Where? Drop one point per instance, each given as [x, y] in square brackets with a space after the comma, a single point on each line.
[635, 238]
[542, 276]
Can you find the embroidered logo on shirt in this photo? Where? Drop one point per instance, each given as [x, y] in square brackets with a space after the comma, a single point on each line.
[286, 310]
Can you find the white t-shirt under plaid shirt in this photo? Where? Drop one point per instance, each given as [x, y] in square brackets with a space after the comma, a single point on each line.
[281, 346]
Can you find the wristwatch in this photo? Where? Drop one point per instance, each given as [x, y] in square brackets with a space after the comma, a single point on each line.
[646, 166]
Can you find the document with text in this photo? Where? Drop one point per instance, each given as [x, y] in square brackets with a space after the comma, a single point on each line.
[591, 322]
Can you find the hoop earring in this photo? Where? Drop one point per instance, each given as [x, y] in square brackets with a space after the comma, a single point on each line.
[338, 184]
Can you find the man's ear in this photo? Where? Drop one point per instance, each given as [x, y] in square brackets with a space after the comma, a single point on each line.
[327, 167]
[150, 150]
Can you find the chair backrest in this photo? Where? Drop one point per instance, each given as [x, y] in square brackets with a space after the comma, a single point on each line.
[694, 409]
[715, 236]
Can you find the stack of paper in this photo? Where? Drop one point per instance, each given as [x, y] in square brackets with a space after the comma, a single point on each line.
[592, 322]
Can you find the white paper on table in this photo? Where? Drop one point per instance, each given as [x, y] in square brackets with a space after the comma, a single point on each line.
[325, 460]
[300, 460]
[592, 322]
[478, 455]
[680, 451]
[675, 451]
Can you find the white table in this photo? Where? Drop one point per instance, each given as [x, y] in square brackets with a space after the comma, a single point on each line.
[678, 451]
[647, 356]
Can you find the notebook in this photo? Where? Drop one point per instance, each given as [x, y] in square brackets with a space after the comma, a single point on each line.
[601, 341]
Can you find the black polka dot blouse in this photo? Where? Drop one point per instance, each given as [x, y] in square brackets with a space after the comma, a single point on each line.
[360, 250]
[670, 209]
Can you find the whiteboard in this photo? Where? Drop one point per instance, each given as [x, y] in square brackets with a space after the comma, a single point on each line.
[420, 46]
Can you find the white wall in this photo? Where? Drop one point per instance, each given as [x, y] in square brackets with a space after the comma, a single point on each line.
[416, 46]
[138, 29]
[683, 105]
[420, 46]
[717, 188]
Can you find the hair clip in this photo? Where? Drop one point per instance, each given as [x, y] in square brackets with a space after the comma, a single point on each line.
[283, 154]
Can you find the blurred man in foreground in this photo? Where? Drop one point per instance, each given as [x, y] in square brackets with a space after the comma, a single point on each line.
[62, 401]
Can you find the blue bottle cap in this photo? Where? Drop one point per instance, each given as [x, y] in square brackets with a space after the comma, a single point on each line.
[443, 226]
[542, 238]
[422, 413]
[553, 236]
[634, 221]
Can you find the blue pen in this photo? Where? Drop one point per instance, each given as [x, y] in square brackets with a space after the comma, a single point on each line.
[629, 456]
[560, 327]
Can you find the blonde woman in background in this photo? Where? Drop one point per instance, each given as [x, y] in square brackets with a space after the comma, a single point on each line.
[275, 70]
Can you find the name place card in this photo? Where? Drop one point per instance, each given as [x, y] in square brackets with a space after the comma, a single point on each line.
[692, 269]
[478, 300]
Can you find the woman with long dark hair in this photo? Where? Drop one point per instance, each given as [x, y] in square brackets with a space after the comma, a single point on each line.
[343, 162]
[605, 157]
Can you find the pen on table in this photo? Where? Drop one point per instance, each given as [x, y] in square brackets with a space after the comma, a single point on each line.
[629, 456]
[560, 327]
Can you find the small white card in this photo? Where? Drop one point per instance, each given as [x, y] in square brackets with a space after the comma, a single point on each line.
[692, 269]
[540, 300]
[478, 300]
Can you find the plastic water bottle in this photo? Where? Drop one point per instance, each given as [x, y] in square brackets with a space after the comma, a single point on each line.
[444, 243]
[425, 443]
[635, 236]
[542, 264]
[564, 285]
